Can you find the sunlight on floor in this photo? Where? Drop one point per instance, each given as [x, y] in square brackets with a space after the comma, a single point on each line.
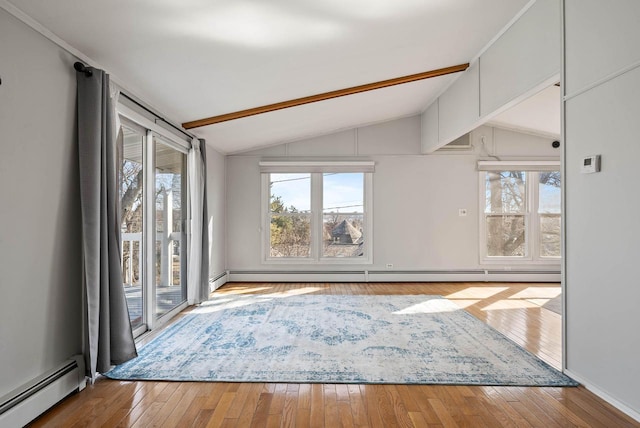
[296, 292]
[529, 297]
[249, 297]
[221, 304]
[431, 306]
[538, 293]
[491, 298]
[510, 304]
[476, 292]
[539, 302]
[465, 303]
[243, 290]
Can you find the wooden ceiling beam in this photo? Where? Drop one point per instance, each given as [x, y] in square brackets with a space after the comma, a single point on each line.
[325, 96]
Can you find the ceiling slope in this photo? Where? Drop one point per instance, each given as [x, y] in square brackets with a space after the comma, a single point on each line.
[199, 58]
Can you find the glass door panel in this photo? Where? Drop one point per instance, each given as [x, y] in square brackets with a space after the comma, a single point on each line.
[170, 213]
[130, 154]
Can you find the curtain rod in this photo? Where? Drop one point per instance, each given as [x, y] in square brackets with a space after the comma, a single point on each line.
[156, 115]
[88, 71]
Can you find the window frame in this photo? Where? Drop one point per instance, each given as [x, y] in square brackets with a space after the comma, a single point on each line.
[316, 213]
[531, 215]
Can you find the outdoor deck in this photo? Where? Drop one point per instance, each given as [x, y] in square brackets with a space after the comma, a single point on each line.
[167, 298]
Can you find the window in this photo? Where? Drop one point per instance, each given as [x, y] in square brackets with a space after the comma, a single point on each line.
[521, 215]
[317, 217]
[505, 214]
[549, 214]
[290, 215]
[343, 215]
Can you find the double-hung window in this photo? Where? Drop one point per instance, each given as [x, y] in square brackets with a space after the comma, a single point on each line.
[520, 206]
[317, 212]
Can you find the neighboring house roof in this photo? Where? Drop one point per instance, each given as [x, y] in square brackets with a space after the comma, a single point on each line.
[344, 229]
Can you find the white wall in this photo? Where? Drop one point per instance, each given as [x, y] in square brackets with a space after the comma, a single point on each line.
[40, 270]
[603, 232]
[416, 197]
[458, 107]
[524, 57]
[519, 63]
[216, 195]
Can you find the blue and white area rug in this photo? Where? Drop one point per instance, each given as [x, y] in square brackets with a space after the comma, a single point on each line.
[414, 339]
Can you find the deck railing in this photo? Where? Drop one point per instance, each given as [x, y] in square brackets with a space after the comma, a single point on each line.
[132, 257]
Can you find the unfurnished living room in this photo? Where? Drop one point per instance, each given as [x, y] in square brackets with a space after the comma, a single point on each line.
[338, 213]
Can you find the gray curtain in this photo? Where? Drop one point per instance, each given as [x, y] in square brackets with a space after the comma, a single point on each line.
[108, 336]
[204, 273]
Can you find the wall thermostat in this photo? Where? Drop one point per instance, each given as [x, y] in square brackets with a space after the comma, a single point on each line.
[590, 164]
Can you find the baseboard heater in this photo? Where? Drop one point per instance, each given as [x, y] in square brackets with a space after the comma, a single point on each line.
[471, 275]
[25, 403]
[218, 281]
[305, 272]
[464, 272]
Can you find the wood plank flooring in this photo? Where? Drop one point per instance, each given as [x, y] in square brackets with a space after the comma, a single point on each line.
[513, 309]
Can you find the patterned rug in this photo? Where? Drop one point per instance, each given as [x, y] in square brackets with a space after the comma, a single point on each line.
[415, 339]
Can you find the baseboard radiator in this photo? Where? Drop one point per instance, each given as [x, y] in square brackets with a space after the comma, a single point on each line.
[218, 281]
[468, 275]
[24, 404]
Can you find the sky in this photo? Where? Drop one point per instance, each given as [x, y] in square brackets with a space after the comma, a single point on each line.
[342, 192]
[550, 199]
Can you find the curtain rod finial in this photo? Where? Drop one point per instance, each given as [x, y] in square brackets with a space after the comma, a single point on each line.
[80, 67]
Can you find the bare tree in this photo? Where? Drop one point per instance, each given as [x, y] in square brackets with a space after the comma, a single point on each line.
[506, 196]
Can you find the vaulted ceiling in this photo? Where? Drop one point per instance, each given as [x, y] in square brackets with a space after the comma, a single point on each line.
[193, 59]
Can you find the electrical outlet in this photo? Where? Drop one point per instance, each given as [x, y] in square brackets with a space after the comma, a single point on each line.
[389, 265]
[462, 212]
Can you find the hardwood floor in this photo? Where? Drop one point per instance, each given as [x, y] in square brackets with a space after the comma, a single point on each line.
[513, 309]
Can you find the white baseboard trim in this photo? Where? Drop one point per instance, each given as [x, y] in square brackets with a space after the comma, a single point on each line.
[476, 275]
[306, 276]
[635, 414]
[218, 281]
[29, 401]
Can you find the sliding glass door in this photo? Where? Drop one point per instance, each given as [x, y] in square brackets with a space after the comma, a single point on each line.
[170, 252]
[153, 211]
[131, 152]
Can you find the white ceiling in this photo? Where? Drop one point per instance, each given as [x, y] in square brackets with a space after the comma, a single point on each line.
[193, 59]
[539, 114]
